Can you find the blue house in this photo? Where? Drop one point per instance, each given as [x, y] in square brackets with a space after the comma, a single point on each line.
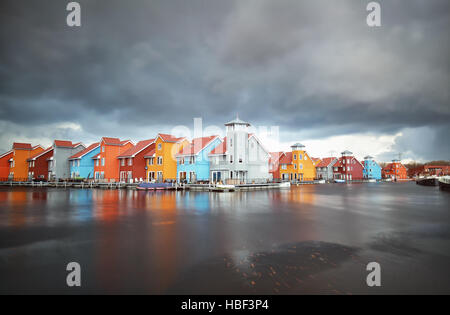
[81, 164]
[371, 168]
[193, 161]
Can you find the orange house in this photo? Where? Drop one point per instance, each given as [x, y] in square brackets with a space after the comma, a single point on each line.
[4, 164]
[161, 162]
[106, 163]
[395, 170]
[18, 163]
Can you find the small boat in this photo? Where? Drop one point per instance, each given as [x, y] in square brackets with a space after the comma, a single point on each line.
[444, 183]
[320, 181]
[372, 180]
[284, 185]
[339, 180]
[428, 181]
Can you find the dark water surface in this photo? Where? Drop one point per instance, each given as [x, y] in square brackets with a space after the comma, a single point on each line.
[309, 239]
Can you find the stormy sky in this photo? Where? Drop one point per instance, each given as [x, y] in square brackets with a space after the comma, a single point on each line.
[311, 67]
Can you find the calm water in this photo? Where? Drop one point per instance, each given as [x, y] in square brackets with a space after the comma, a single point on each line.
[309, 239]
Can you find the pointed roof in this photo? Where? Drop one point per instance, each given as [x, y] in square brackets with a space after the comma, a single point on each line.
[6, 153]
[196, 146]
[275, 156]
[237, 121]
[82, 153]
[114, 141]
[63, 143]
[141, 145]
[150, 154]
[34, 157]
[287, 158]
[170, 138]
[326, 162]
[220, 149]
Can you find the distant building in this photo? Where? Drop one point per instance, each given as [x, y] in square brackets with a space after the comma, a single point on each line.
[133, 163]
[241, 157]
[4, 164]
[193, 161]
[297, 165]
[324, 170]
[81, 163]
[38, 165]
[348, 167]
[371, 168]
[18, 165]
[274, 164]
[59, 167]
[395, 170]
[106, 167]
[429, 170]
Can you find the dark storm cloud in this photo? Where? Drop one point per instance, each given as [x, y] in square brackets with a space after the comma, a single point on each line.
[309, 65]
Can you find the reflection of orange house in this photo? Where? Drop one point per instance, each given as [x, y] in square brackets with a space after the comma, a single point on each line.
[19, 165]
[4, 164]
[395, 170]
[106, 163]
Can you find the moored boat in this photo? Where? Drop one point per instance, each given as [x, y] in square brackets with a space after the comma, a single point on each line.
[339, 180]
[444, 183]
[427, 181]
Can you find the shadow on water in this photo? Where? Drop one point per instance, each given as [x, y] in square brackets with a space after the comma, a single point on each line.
[281, 270]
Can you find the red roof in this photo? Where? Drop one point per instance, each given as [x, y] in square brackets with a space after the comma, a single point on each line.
[326, 162]
[63, 143]
[287, 158]
[33, 157]
[275, 156]
[6, 153]
[85, 151]
[170, 138]
[141, 145]
[114, 141]
[221, 148]
[150, 154]
[196, 146]
[19, 145]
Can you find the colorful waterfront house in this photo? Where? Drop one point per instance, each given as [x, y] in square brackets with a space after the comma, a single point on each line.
[274, 164]
[81, 163]
[4, 164]
[18, 169]
[348, 167]
[161, 162]
[133, 163]
[38, 165]
[106, 163]
[58, 166]
[371, 168]
[395, 170]
[240, 158]
[297, 165]
[324, 170]
[193, 162]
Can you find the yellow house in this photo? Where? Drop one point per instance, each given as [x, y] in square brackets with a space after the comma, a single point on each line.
[297, 165]
[161, 164]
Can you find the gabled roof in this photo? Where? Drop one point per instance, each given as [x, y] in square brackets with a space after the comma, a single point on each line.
[275, 156]
[196, 146]
[326, 162]
[251, 135]
[220, 149]
[23, 146]
[114, 141]
[34, 157]
[237, 121]
[82, 153]
[6, 153]
[141, 145]
[63, 143]
[287, 158]
[169, 138]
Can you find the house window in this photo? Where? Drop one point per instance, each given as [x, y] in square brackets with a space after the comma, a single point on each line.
[103, 149]
[96, 162]
[283, 166]
[159, 146]
[78, 162]
[122, 162]
[295, 166]
[160, 160]
[103, 161]
[295, 156]
[130, 161]
[231, 142]
[301, 166]
[192, 160]
[300, 157]
[306, 158]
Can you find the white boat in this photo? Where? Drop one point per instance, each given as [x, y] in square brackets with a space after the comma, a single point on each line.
[320, 181]
[372, 180]
[222, 186]
[284, 185]
[339, 180]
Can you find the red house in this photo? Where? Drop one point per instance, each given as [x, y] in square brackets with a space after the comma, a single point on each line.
[348, 167]
[4, 164]
[38, 164]
[132, 162]
[395, 170]
[274, 164]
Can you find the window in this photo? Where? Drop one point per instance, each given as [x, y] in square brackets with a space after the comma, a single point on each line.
[306, 158]
[301, 166]
[300, 157]
[103, 149]
[160, 160]
[122, 162]
[96, 162]
[295, 166]
[103, 161]
[283, 166]
[192, 160]
[182, 160]
[295, 156]
[78, 162]
[159, 146]
[231, 142]
[130, 161]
